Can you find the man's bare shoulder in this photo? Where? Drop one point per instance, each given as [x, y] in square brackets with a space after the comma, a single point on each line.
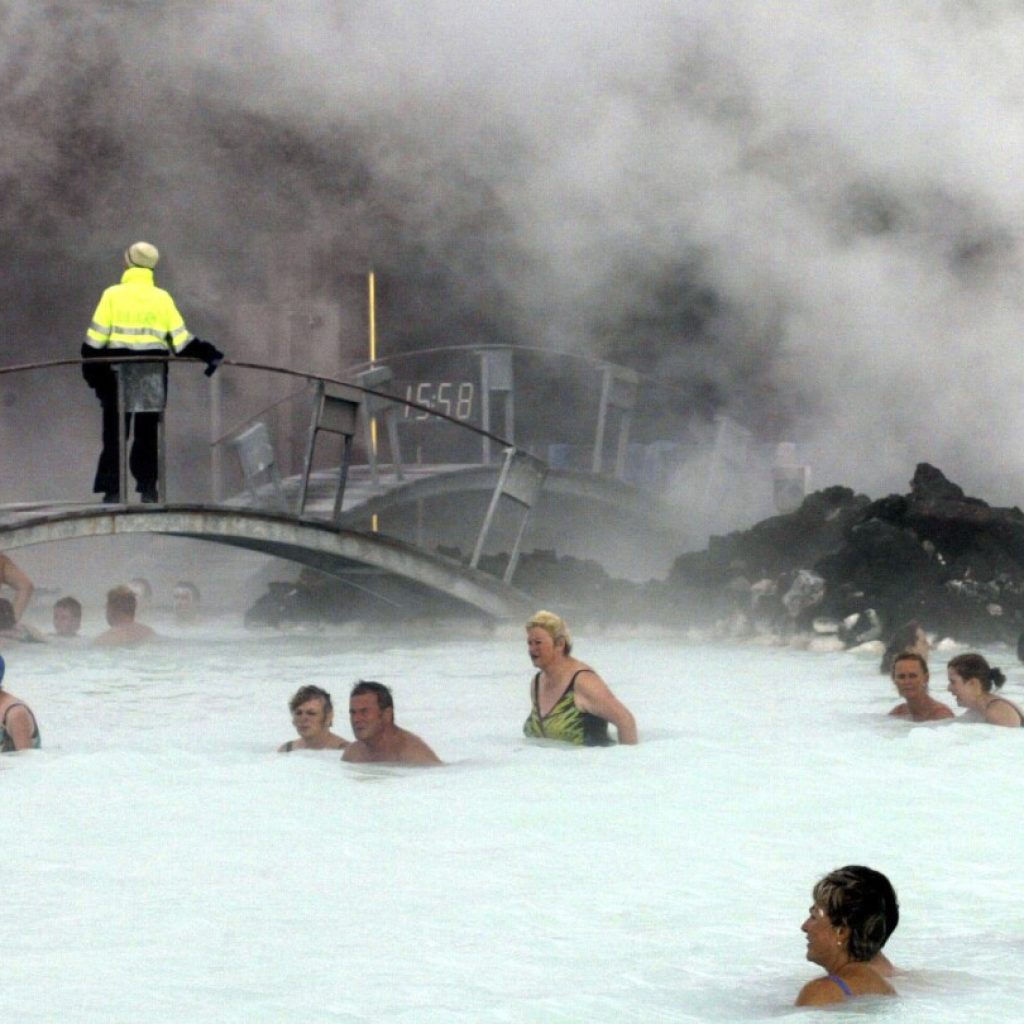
[900, 711]
[415, 751]
[125, 636]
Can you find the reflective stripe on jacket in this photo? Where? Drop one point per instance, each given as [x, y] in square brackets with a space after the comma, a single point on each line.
[137, 316]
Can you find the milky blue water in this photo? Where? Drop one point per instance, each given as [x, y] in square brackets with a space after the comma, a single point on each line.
[162, 864]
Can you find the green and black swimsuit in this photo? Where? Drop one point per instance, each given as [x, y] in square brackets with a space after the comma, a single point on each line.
[565, 721]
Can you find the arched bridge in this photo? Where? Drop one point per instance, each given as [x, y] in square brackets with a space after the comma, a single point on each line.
[296, 530]
[317, 545]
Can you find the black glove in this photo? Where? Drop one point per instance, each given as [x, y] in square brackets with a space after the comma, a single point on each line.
[99, 376]
[206, 351]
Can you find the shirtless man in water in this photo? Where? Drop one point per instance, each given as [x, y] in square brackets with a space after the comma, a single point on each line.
[371, 711]
[124, 630]
[910, 674]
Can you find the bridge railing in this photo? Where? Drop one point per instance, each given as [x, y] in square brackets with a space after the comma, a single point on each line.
[598, 428]
[657, 434]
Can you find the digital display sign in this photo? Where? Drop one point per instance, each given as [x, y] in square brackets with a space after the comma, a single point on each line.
[455, 398]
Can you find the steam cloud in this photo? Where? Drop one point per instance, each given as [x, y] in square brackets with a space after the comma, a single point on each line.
[808, 216]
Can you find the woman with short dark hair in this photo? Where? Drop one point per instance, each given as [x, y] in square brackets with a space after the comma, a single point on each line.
[312, 716]
[847, 925]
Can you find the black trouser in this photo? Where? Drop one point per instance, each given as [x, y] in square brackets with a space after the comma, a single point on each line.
[143, 457]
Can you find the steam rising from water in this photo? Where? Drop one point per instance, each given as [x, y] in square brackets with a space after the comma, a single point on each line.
[808, 215]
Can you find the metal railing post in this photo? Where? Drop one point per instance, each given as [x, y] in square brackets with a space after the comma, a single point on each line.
[216, 456]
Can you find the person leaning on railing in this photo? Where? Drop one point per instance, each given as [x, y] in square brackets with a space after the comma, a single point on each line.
[135, 318]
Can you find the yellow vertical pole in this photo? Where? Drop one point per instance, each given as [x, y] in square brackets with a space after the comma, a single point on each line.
[371, 283]
[371, 295]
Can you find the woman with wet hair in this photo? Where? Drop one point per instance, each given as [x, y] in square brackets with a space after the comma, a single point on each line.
[971, 681]
[848, 923]
[569, 701]
[312, 716]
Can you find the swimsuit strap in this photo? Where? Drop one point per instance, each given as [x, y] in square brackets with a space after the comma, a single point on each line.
[572, 682]
[1003, 700]
[842, 984]
[561, 696]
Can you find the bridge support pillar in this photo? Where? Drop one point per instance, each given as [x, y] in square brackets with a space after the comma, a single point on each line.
[496, 378]
[618, 391]
[520, 480]
[336, 411]
[373, 405]
[256, 455]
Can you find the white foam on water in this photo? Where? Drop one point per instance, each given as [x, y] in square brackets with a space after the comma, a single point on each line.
[162, 864]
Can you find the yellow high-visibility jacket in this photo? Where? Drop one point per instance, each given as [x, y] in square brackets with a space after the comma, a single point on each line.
[136, 316]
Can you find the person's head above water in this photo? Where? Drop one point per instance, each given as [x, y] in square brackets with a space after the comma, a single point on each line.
[911, 656]
[382, 693]
[307, 693]
[968, 667]
[312, 715]
[371, 712]
[908, 637]
[121, 605]
[861, 902]
[910, 675]
[185, 598]
[67, 616]
[554, 625]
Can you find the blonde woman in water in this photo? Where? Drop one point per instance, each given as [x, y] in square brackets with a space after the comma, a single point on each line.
[569, 700]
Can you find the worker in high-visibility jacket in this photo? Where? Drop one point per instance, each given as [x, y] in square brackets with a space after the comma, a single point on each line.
[135, 318]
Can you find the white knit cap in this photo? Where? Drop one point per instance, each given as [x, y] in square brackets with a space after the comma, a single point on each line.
[141, 254]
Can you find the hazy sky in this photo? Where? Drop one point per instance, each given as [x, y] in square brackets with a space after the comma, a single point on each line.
[809, 210]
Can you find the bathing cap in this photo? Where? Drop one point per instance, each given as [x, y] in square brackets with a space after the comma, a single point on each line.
[141, 254]
[3, 669]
